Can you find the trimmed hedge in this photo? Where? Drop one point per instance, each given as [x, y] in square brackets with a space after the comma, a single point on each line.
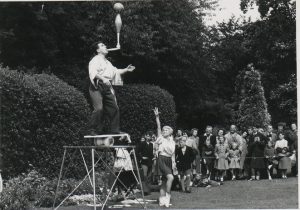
[39, 114]
[136, 103]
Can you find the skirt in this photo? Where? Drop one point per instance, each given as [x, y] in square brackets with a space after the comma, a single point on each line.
[164, 165]
[209, 162]
[258, 163]
[222, 164]
[284, 163]
[234, 163]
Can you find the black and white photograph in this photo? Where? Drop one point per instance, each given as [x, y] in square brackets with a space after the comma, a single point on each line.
[148, 104]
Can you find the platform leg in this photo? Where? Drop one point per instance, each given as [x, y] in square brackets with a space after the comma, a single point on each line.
[139, 176]
[60, 175]
[94, 183]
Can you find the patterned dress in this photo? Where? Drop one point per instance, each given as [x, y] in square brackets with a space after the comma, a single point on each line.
[234, 156]
[221, 153]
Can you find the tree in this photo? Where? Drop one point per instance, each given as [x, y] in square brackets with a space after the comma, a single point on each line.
[163, 39]
[253, 109]
[284, 101]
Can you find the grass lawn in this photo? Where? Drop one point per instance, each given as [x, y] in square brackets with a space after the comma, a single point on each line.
[275, 194]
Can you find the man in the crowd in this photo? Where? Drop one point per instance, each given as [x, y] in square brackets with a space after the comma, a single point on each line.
[292, 138]
[255, 134]
[208, 135]
[270, 134]
[280, 129]
[233, 137]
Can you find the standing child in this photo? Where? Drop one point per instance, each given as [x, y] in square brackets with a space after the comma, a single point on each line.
[208, 157]
[184, 157]
[257, 158]
[234, 157]
[221, 153]
[166, 150]
[145, 154]
[270, 156]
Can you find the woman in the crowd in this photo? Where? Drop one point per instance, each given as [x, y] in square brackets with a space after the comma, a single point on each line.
[244, 151]
[257, 157]
[281, 147]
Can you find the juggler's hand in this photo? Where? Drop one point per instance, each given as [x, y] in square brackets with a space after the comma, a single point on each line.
[130, 68]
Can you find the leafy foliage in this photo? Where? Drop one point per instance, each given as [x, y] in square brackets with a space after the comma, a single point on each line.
[167, 41]
[136, 104]
[253, 109]
[40, 114]
[285, 99]
[31, 189]
[163, 39]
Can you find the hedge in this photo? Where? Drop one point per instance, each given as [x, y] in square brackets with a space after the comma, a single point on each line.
[136, 103]
[40, 113]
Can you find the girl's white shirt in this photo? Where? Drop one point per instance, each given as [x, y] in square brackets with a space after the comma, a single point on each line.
[166, 146]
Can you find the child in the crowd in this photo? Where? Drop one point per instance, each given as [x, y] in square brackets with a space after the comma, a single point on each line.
[184, 157]
[178, 136]
[221, 153]
[270, 157]
[234, 158]
[220, 134]
[145, 154]
[257, 157]
[244, 152]
[166, 150]
[208, 157]
[205, 182]
[281, 147]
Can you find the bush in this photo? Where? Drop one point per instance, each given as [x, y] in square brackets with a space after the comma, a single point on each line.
[33, 190]
[136, 104]
[39, 114]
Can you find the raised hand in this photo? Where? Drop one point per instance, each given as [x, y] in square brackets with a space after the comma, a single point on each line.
[156, 112]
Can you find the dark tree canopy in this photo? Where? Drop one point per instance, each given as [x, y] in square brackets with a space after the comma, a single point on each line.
[167, 41]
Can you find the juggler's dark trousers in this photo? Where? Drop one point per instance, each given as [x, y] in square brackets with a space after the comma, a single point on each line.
[104, 104]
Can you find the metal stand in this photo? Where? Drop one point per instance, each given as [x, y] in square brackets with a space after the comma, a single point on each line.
[92, 179]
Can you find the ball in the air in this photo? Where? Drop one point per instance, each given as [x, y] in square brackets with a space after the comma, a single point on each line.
[118, 7]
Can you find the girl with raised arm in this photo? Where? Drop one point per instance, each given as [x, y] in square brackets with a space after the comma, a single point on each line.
[166, 151]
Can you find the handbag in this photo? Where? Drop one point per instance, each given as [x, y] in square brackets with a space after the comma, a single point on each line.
[293, 159]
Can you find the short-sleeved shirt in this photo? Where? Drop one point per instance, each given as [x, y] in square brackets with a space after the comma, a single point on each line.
[166, 146]
[100, 65]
